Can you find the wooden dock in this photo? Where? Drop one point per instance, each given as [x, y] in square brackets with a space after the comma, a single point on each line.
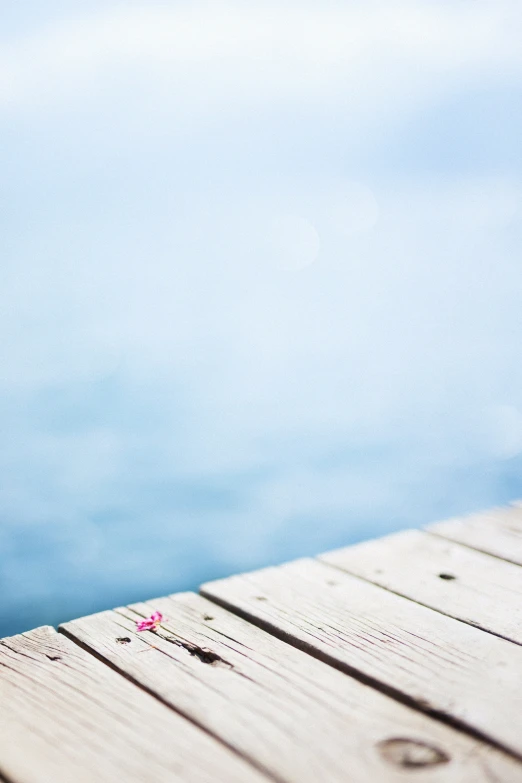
[395, 660]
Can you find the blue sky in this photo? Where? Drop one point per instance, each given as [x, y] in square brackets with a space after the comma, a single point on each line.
[261, 285]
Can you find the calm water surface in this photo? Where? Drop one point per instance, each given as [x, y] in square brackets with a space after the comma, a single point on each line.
[260, 285]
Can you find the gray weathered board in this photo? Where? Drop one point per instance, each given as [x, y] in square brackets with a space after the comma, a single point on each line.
[497, 532]
[463, 583]
[364, 665]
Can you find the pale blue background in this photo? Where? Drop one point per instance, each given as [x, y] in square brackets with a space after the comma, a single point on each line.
[260, 285]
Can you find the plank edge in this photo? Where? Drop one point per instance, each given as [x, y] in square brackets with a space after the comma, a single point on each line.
[384, 688]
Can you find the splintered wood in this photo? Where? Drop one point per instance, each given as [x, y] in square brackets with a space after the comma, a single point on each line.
[392, 660]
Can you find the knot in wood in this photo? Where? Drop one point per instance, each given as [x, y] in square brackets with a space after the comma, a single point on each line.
[411, 754]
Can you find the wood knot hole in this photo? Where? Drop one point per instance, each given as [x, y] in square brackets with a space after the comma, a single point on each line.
[411, 754]
[447, 577]
[123, 640]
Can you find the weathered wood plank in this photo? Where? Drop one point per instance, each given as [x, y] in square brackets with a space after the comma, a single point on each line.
[66, 717]
[473, 587]
[292, 714]
[438, 663]
[497, 532]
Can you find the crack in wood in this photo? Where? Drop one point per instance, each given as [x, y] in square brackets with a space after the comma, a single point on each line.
[203, 654]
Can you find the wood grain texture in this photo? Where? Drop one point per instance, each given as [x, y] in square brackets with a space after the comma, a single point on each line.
[440, 664]
[291, 714]
[473, 587]
[497, 532]
[66, 717]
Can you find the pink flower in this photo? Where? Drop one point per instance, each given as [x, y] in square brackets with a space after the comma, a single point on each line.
[150, 623]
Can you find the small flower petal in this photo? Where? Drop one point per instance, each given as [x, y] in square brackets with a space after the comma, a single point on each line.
[150, 623]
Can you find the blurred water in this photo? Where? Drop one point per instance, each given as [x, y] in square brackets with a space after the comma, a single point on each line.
[260, 286]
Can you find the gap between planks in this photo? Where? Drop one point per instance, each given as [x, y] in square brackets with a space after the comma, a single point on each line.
[497, 532]
[65, 716]
[454, 580]
[365, 631]
[151, 692]
[378, 685]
